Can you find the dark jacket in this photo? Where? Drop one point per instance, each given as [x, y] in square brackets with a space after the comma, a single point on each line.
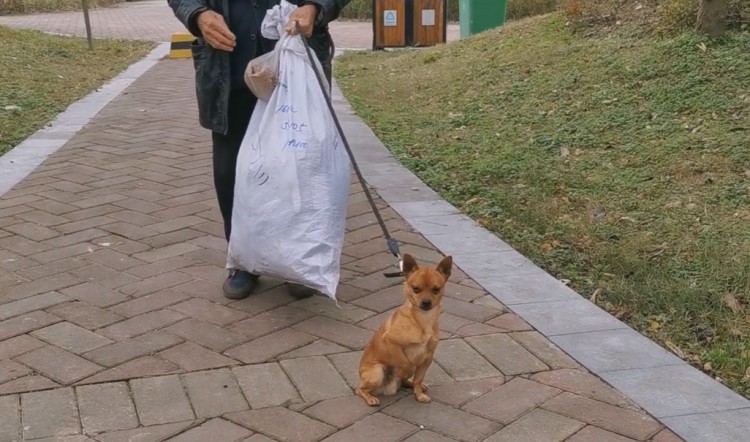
[213, 68]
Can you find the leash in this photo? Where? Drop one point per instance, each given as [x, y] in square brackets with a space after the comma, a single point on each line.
[392, 243]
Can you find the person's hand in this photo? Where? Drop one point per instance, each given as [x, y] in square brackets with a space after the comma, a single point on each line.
[305, 15]
[215, 31]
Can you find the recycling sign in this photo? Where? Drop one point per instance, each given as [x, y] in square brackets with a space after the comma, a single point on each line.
[390, 17]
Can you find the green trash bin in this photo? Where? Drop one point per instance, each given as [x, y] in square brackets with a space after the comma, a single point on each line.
[476, 16]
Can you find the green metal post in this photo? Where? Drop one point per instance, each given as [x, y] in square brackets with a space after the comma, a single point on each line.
[476, 16]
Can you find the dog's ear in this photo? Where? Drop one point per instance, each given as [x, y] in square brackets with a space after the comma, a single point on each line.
[409, 265]
[445, 266]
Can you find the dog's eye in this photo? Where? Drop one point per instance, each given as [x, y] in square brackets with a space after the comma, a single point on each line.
[416, 289]
[435, 290]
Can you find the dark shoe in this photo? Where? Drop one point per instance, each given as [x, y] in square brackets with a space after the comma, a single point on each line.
[300, 291]
[240, 284]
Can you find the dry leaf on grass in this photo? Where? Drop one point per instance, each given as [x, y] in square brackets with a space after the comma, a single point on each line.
[595, 295]
[550, 245]
[675, 349]
[622, 314]
[733, 303]
[599, 213]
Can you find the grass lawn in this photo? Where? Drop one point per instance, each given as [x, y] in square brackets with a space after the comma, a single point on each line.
[9, 7]
[620, 164]
[43, 74]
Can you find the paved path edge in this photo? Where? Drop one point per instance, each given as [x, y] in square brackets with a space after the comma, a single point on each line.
[20, 161]
[686, 400]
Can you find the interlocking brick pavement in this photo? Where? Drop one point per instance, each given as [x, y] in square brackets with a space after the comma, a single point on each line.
[113, 326]
[154, 20]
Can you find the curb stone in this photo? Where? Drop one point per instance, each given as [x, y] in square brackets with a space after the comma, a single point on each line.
[20, 161]
[689, 402]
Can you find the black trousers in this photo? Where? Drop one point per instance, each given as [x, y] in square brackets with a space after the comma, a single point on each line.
[227, 147]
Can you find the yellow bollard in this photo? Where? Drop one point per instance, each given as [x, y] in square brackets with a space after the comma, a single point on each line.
[180, 47]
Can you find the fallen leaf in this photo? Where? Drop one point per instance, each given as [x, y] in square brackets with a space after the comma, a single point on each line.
[484, 222]
[655, 325]
[702, 47]
[733, 303]
[595, 295]
[708, 367]
[564, 152]
[743, 214]
[675, 349]
[599, 213]
[703, 333]
[621, 312]
[659, 250]
[747, 375]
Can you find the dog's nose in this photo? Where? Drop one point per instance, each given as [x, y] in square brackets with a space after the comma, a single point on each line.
[426, 304]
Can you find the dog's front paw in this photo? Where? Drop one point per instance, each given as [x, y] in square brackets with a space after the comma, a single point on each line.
[423, 398]
[368, 398]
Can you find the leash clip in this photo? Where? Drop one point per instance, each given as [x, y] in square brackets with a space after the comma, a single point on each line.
[400, 268]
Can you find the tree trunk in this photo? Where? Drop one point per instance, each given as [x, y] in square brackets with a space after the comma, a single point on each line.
[712, 17]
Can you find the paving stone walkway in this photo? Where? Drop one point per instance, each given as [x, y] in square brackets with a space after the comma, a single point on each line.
[154, 20]
[113, 326]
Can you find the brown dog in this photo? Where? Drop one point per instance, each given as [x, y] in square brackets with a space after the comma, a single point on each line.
[401, 350]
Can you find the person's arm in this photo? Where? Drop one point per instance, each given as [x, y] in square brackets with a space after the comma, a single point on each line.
[315, 14]
[187, 12]
[328, 10]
